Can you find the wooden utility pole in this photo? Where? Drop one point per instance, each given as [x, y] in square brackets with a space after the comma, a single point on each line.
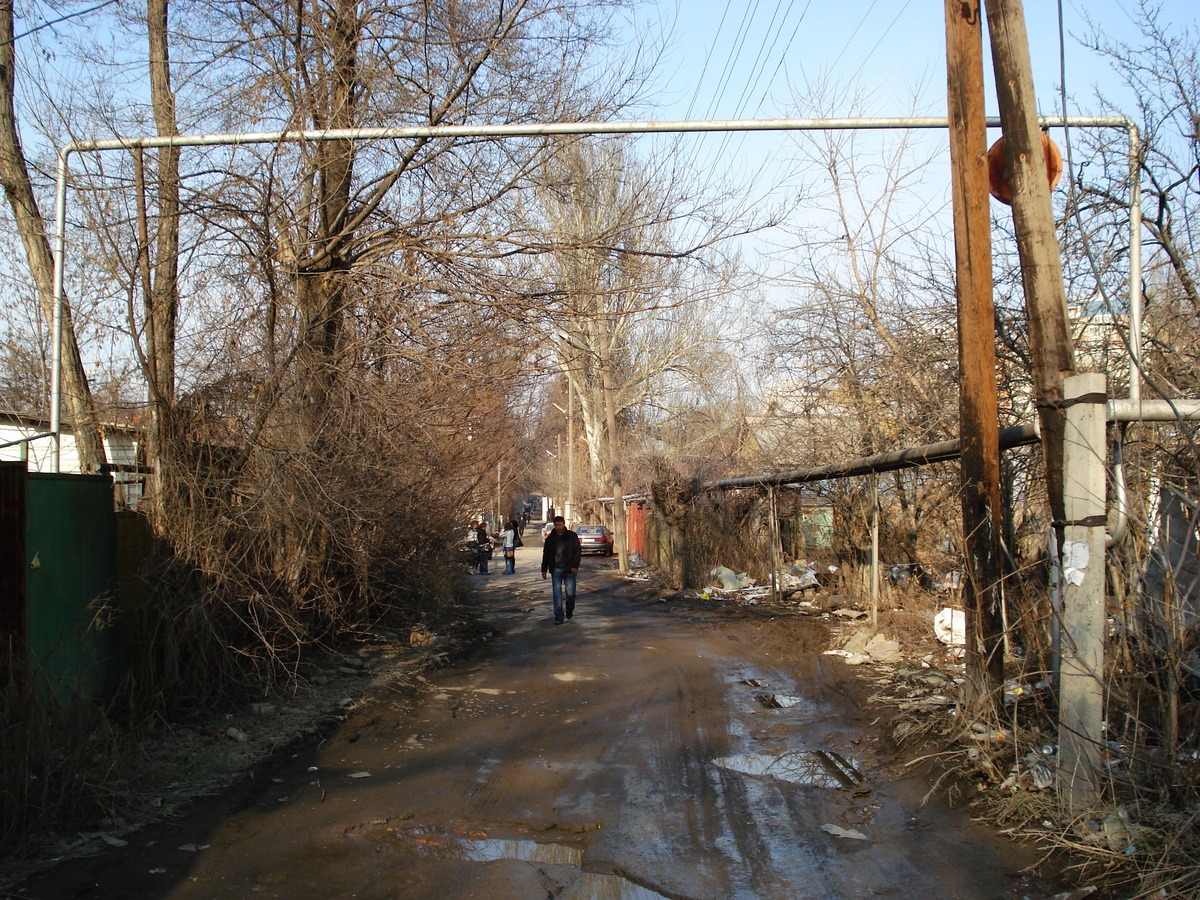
[1037, 243]
[979, 426]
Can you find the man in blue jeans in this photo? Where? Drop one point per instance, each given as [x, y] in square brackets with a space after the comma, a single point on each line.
[560, 558]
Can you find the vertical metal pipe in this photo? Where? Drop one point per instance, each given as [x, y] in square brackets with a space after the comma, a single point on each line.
[874, 549]
[570, 503]
[774, 532]
[56, 327]
[1135, 265]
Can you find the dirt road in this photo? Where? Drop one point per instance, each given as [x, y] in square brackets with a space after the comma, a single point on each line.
[641, 750]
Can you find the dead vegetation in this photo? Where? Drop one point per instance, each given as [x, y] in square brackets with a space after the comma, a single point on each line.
[76, 780]
[1140, 839]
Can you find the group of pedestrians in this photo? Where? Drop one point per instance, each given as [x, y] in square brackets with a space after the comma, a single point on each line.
[481, 544]
[561, 555]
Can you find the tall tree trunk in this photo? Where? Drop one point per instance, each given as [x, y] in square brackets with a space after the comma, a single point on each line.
[14, 175]
[321, 291]
[161, 295]
[614, 454]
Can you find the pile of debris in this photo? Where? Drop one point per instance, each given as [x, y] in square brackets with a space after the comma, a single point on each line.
[796, 584]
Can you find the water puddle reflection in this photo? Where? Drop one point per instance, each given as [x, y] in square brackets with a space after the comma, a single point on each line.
[820, 768]
[444, 846]
[779, 701]
[609, 887]
[468, 848]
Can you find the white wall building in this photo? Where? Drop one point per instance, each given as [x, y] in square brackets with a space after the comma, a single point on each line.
[120, 451]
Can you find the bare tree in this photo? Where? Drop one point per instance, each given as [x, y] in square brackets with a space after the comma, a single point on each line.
[628, 308]
[14, 175]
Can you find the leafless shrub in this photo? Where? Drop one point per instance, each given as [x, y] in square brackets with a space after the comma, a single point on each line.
[58, 764]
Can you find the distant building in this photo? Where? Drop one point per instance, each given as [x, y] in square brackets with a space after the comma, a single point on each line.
[1100, 335]
[120, 451]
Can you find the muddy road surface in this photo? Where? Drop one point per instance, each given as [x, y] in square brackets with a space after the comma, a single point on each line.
[642, 750]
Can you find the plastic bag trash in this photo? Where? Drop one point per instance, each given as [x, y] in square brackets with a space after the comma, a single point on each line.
[950, 627]
[852, 659]
[851, 833]
[794, 578]
[745, 580]
[729, 581]
[881, 650]
[1041, 774]
[636, 561]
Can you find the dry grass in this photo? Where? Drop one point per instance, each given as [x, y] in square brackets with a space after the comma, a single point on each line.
[1137, 841]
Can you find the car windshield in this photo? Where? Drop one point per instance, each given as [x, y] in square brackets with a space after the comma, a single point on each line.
[590, 529]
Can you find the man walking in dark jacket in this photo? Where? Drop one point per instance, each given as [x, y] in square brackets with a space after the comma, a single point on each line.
[560, 558]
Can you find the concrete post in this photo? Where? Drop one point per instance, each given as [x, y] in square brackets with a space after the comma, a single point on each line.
[1081, 691]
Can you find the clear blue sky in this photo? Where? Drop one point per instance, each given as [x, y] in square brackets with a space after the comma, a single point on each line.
[733, 59]
[751, 58]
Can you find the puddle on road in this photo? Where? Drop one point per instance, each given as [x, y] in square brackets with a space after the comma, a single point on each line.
[770, 699]
[609, 887]
[819, 768]
[589, 886]
[779, 701]
[445, 846]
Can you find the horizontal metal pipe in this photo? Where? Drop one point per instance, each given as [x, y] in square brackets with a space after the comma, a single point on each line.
[1153, 410]
[463, 131]
[551, 128]
[26, 440]
[1015, 436]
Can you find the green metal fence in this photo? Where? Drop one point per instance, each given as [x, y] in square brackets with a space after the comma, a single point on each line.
[70, 616]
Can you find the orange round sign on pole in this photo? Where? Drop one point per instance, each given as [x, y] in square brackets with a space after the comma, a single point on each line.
[998, 168]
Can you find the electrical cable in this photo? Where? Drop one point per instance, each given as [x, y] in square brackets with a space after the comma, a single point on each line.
[886, 32]
[61, 19]
[762, 59]
[707, 58]
[764, 55]
[731, 61]
[857, 29]
[783, 55]
[775, 30]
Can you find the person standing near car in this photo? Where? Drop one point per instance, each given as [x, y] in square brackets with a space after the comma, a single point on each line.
[560, 560]
[484, 548]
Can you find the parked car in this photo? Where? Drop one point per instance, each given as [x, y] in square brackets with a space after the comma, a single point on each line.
[595, 539]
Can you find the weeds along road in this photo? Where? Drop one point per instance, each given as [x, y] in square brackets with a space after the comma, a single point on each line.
[641, 750]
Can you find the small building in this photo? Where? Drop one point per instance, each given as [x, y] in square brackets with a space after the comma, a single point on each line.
[121, 444]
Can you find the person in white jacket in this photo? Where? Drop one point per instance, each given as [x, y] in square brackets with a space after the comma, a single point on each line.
[510, 540]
